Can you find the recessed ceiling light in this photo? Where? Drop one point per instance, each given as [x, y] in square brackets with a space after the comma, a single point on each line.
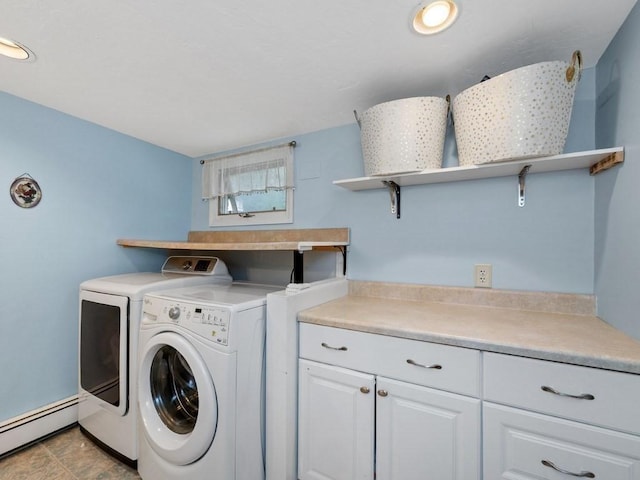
[14, 50]
[435, 16]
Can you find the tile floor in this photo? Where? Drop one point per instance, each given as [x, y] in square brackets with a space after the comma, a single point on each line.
[66, 456]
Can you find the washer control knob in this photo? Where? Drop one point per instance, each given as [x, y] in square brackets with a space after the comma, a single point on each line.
[174, 313]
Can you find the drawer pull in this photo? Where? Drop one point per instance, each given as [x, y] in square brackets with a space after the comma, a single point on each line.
[364, 389]
[435, 366]
[342, 349]
[583, 474]
[383, 393]
[582, 396]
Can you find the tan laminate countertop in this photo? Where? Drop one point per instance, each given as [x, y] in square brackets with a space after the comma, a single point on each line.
[246, 240]
[569, 338]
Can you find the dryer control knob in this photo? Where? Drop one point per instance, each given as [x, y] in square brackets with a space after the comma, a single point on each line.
[174, 313]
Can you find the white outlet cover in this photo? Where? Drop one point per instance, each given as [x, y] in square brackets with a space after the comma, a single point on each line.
[483, 275]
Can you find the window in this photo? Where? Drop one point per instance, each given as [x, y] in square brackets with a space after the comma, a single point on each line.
[250, 188]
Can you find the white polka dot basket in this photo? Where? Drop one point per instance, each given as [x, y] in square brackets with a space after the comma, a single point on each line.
[404, 135]
[519, 114]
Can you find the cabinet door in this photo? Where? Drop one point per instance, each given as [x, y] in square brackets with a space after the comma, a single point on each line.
[425, 434]
[530, 446]
[335, 423]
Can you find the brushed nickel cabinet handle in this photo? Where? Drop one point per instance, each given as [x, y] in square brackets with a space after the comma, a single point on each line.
[582, 474]
[435, 366]
[383, 393]
[364, 389]
[341, 349]
[582, 396]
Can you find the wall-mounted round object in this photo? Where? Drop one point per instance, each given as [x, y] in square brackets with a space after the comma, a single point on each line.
[25, 192]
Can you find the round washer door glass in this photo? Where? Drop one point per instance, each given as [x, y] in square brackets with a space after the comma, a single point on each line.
[173, 383]
[174, 390]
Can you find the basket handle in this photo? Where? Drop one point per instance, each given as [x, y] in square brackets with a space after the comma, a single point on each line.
[576, 58]
[355, 114]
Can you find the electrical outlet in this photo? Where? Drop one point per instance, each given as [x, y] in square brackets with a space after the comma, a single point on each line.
[483, 275]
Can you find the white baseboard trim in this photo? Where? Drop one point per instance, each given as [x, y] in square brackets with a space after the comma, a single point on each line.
[26, 428]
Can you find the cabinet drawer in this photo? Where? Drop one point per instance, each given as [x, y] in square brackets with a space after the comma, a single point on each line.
[526, 445]
[433, 365]
[599, 397]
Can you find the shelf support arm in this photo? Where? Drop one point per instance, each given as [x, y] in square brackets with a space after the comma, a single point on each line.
[394, 193]
[521, 183]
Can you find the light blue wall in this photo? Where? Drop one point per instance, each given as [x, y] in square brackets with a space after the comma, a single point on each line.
[100, 185]
[617, 194]
[447, 228]
[97, 186]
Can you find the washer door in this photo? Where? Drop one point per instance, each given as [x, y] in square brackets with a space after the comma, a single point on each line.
[174, 381]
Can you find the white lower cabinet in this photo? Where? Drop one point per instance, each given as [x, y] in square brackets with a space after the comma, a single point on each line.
[552, 421]
[354, 425]
[386, 408]
[336, 416]
[422, 433]
[524, 445]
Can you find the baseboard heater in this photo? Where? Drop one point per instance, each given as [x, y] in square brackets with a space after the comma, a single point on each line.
[25, 429]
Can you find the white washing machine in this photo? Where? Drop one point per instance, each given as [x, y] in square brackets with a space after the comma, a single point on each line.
[109, 321]
[201, 383]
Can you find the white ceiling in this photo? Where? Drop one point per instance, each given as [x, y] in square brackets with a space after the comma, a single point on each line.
[204, 76]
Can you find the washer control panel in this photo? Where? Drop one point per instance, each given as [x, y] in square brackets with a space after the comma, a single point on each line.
[209, 322]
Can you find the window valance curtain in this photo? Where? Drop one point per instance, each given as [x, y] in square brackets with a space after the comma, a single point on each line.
[248, 173]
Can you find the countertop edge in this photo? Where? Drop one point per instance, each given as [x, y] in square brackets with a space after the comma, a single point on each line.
[511, 347]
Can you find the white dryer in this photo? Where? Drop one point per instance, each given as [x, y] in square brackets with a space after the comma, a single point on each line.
[201, 383]
[109, 320]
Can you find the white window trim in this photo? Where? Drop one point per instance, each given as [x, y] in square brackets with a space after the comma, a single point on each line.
[210, 177]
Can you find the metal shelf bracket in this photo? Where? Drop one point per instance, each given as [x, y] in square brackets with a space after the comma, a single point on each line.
[521, 184]
[394, 193]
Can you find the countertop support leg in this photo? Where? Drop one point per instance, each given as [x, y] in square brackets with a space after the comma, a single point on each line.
[298, 267]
